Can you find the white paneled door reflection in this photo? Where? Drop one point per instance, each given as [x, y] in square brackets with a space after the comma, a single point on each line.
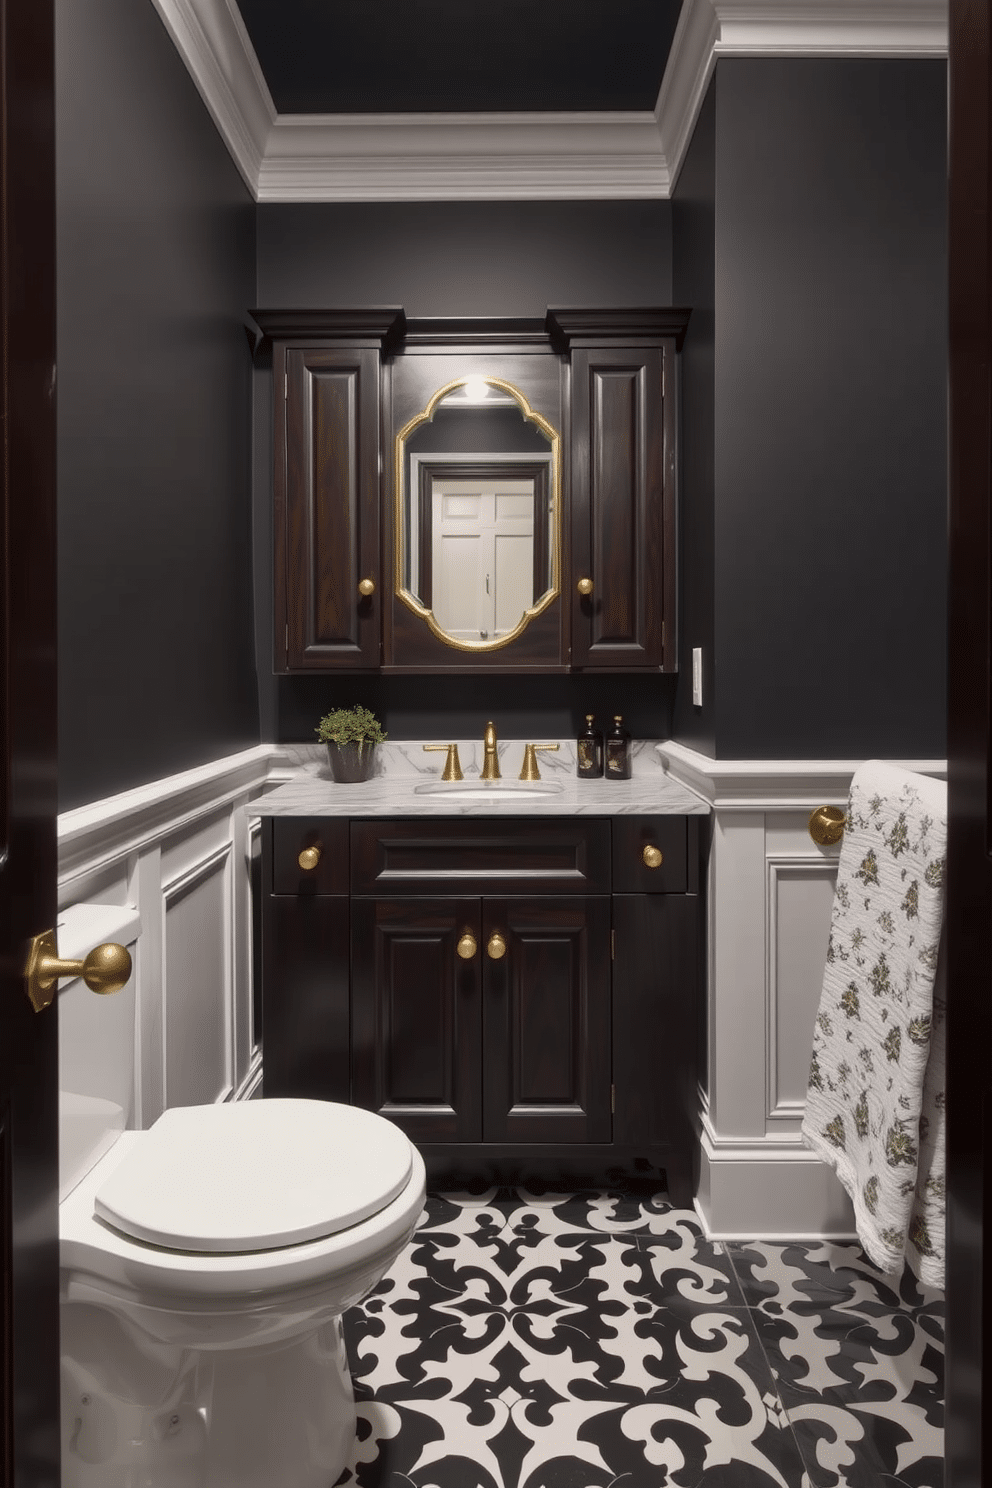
[482, 556]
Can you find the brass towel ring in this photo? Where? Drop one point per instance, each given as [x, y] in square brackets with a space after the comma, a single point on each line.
[826, 825]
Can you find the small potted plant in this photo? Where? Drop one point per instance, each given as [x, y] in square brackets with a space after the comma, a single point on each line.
[351, 736]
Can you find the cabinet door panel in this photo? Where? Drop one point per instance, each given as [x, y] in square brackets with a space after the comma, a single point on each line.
[622, 508]
[331, 508]
[655, 1037]
[305, 1014]
[546, 1009]
[415, 1016]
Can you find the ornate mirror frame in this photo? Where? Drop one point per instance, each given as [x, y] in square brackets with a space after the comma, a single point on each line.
[399, 482]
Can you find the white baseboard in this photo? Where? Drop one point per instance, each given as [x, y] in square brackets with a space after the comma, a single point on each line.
[767, 1190]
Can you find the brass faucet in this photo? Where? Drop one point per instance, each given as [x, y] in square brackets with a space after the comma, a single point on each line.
[490, 766]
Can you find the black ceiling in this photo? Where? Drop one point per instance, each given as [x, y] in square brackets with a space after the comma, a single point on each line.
[457, 56]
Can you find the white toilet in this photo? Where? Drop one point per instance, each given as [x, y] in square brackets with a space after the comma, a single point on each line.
[205, 1264]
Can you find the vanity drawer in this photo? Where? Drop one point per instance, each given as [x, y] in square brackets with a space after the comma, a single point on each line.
[635, 836]
[480, 856]
[291, 836]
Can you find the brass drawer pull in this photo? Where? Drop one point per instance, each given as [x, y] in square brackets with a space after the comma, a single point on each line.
[309, 858]
[652, 856]
[584, 586]
[366, 588]
[467, 947]
[496, 946]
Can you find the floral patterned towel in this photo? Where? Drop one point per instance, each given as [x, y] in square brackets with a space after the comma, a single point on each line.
[875, 1104]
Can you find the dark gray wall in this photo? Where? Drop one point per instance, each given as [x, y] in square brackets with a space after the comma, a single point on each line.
[830, 527]
[438, 259]
[694, 285]
[465, 258]
[156, 256]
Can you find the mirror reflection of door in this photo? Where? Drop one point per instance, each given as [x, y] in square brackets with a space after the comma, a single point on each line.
[483, 555]
[482, 552]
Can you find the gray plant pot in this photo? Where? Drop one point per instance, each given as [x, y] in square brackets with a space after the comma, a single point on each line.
[351, 763]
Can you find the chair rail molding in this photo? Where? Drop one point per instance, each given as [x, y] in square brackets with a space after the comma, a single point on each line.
[463, 157]
[769, 901]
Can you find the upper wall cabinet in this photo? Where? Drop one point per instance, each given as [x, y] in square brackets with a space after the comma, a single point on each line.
[484, 495]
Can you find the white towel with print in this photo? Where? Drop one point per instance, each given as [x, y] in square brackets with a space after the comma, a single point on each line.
[875, 1104]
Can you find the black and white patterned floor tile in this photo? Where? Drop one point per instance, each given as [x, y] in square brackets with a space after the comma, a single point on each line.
[598, 1340]
[858, 1360]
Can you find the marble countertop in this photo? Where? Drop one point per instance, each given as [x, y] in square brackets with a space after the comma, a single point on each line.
[402, 767]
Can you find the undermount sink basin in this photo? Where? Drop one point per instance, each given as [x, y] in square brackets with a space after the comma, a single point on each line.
[488, 790]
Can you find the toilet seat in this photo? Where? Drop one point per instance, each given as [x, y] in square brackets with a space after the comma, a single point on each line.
[255, 1175]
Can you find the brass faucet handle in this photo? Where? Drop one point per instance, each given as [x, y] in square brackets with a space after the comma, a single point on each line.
[452, 765]
[529, 770]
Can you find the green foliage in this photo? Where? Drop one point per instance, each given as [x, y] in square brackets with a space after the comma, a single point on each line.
[350, 726]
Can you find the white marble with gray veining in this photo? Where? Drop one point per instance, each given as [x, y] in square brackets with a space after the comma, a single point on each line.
[401, 767]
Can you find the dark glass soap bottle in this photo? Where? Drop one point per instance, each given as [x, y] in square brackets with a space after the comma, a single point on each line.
[589, 752]
[618, 751]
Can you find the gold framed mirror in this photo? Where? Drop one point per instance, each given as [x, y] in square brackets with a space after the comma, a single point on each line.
[477, 479]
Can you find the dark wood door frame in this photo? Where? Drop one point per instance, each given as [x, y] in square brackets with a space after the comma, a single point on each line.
[969, 869]
[29, 1253]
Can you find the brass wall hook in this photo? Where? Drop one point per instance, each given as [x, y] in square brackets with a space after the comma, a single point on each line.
[826, 825]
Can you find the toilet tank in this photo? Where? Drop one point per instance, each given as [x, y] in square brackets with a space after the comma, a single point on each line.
[96, 1043]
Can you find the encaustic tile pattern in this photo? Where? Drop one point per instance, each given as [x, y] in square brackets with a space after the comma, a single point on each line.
[598, 1340]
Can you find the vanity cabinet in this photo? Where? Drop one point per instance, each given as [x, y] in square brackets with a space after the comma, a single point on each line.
[558, 549]
[518, 995]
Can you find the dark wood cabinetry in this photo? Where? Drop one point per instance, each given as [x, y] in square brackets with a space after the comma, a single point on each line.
[519, 996]
[327, 530]
[624, 472]
[345, 384]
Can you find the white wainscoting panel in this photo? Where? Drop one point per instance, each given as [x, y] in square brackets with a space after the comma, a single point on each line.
[179, 851]
[199, 1031]
[799, 899]
[770, 896]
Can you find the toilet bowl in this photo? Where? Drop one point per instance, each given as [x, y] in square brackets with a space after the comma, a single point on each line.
[205, 1265]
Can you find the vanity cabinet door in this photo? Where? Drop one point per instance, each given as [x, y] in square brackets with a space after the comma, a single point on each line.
[655, 1034]
[305, 1004]
[416, 1020]
[326, 531]
[623, 507]
[546, 1020]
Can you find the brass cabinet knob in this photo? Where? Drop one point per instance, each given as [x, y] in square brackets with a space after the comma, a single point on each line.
[309, 858]
[584, 586]
[652, 856]
[496, 947]
[106, 969]
[467, 946]
[366, 587]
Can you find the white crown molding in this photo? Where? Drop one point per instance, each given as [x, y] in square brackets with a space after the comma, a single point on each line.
[437, 157]
[711, 29]
[418, 157]
[211, 39]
